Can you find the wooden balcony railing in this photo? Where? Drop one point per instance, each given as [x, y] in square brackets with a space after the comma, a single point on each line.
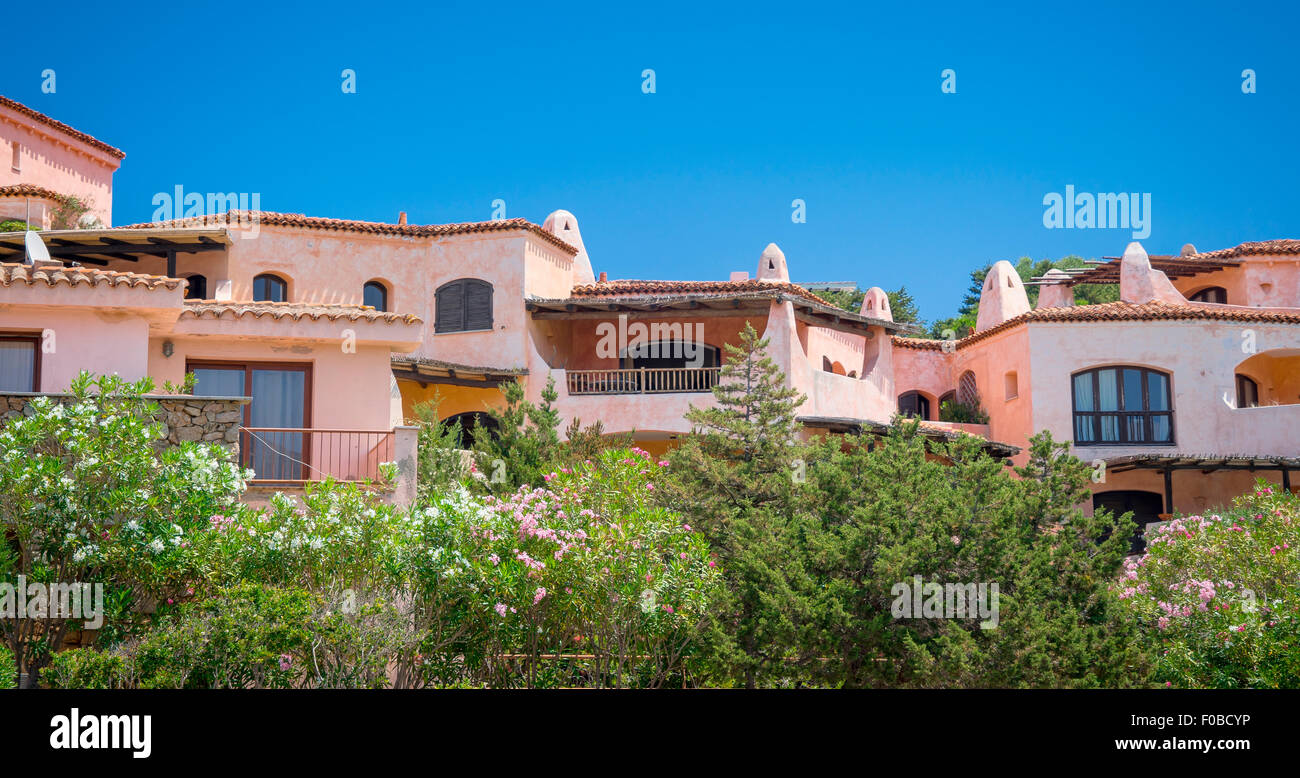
[280, 455]
[643, 380]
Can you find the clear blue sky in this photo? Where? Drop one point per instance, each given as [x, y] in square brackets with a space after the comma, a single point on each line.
[540, 104]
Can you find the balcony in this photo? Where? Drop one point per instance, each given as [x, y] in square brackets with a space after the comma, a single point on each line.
[643, 380]
[280, 456]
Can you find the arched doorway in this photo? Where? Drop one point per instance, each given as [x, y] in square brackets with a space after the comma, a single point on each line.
[470, 424]
[1146, 508]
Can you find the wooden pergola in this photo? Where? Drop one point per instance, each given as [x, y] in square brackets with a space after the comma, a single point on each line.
[425, 371]
[708, 304]
[849, 426]
[99, 247]
[1107, 269]
[1205, 463]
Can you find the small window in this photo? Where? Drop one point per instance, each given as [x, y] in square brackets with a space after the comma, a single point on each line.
[20, 363]
[463, 305]
[1117, 406]
[375, 295]
[914, 404]
[269, 288]
[967, 390]
[1011, 384]
[1213, 294]
[197, 288]
[1247, 392]
[18, 157]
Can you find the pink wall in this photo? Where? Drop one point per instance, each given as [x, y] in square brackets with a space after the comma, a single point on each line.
[1201, 357]
[56, 161]
[100, 341]
[1259, 282]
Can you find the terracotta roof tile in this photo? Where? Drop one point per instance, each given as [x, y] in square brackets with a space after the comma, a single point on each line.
[1258, 248]
[1120, 311]
[198, 309]
[32, 113]
[242, 219]
[30, 190]
[631, 288]
[55, 274]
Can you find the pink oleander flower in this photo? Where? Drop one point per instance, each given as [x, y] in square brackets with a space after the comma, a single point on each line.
[539, 594]
[286, 661]
[500, 608]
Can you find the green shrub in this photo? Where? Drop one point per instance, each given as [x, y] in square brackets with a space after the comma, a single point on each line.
[1221, 594]
[8, 669]
[86, 497]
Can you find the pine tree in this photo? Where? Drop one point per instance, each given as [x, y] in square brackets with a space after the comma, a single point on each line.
[735, 479]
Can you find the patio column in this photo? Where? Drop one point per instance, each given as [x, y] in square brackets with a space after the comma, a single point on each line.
[1169, 491]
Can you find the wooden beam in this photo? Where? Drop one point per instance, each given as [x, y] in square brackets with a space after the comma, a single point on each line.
[633, 315]
[1169, 491]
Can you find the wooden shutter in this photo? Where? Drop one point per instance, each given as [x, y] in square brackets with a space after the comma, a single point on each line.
[478, 305]
[450, 315]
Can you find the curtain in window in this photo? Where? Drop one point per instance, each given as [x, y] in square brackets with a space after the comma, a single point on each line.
[278, 402]
[17, 366]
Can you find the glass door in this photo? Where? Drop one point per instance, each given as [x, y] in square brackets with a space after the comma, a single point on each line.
[274, 444]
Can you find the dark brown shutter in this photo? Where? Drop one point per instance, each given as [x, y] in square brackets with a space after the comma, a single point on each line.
[478, 305]
[450, 314]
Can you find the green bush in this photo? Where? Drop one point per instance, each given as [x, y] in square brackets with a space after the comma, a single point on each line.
[8, 669]
[1221, 594]
[86, 497]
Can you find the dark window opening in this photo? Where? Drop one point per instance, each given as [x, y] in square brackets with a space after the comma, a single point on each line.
[1213, 294]
[914, 404]
[471, 426]
[269, 288]
[197, 288]
[1145, 506]
[375, 295]
[1247, 392]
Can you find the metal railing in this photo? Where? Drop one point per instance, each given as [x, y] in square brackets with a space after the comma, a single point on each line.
[643, 380]
[284, 455]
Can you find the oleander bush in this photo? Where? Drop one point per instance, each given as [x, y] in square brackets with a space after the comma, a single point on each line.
[86, 497]
[1220, 592]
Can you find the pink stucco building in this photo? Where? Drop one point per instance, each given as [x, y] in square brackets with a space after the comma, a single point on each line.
[1181, 392]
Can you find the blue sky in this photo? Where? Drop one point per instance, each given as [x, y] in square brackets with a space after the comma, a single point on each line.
[540, 104]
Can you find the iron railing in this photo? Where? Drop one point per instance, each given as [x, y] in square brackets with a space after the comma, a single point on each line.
[284, 455]
[643, 380]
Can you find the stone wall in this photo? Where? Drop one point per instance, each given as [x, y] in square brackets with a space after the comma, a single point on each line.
[184, 417]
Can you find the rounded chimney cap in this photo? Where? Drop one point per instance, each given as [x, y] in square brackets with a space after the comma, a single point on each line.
[1188, 250]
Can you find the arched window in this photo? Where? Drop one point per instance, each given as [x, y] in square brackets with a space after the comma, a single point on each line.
[914, 404]
[463, 305]
[1247, 392]
[197, 288]
[470, 425]
[947, 397]
[1120, 406]
[967, 391]
[375, 294]
[268, 288]
[1211, 294]
[1011, 385]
